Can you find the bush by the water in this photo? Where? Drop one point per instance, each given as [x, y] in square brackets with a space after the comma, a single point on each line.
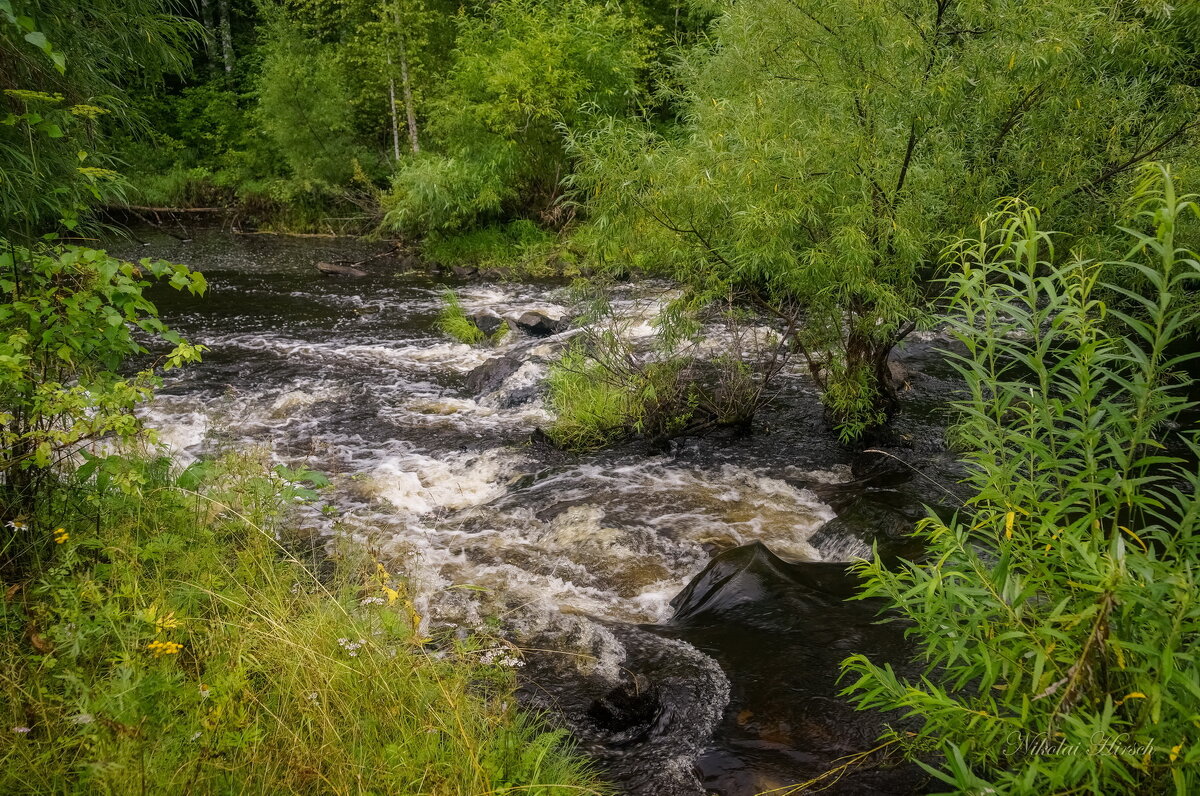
[517, 249]
[1058, 614]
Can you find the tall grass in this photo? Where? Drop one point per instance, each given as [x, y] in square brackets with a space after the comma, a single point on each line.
[172, 645]
[453, 321]
[1058, 615]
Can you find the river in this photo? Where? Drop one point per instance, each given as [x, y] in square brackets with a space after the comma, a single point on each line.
[574, 558]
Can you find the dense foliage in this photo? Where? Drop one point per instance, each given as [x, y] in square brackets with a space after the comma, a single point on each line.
[830, 151]
[65, 331]
[1057, 614]
[66, 71]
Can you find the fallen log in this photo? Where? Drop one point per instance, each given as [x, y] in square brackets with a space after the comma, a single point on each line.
[146, 209]
[340, 269]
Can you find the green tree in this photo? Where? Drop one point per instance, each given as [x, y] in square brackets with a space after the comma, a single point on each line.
[522, 75]
[831, 150]
[304, 106]
[67, 68]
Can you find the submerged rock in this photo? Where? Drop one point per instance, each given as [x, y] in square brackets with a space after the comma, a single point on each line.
[630, 708]
[750, 580]
[340, 269]
[643, 730]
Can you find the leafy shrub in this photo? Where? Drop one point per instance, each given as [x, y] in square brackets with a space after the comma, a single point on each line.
[518, 247]
[1058, 617]
[67, 328]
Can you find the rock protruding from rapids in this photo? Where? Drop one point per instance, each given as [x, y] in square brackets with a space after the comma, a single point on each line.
[538, 324]
[487, 321]
[779, 631]
[489, 376]
[740, 582]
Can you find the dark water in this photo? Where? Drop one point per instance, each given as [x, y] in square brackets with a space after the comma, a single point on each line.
[577, 559]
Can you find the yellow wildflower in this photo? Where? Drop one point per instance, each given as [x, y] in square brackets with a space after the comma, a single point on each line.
[161, 648]
[61, 536]
[168, 622]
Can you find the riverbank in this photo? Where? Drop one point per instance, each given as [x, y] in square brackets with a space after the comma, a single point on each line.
[174, 636]
[513, 250]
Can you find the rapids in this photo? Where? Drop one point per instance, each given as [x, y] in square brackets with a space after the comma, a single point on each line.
[582, 555]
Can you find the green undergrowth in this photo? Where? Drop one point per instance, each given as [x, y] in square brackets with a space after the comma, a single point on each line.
[167, 641]
[279, 204]
[599, 400]
[516, 249]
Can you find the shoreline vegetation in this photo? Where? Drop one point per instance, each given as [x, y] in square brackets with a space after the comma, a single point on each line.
[172, 638]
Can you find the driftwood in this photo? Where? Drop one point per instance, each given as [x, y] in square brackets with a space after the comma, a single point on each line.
[340, 269]
[145, 209]
[347, 268]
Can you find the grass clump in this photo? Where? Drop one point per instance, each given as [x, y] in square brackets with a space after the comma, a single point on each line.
[591, 410]
[165, 641]
[600, 398]
[453, 321]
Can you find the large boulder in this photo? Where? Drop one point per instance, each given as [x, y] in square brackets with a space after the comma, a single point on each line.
[751, 583]
[538, 324]
[780, 631]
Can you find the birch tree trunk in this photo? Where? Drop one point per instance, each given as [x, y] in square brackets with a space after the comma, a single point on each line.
[409, 108]
[395, 118]
[226, 36]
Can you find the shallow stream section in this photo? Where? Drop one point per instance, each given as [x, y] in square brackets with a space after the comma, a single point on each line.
[732, 689]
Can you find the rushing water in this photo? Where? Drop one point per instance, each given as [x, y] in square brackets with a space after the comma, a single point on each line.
[578, 555]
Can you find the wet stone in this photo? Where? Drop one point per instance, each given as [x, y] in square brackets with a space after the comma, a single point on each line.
[487, 321]
[539, 324]
[489, 376]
